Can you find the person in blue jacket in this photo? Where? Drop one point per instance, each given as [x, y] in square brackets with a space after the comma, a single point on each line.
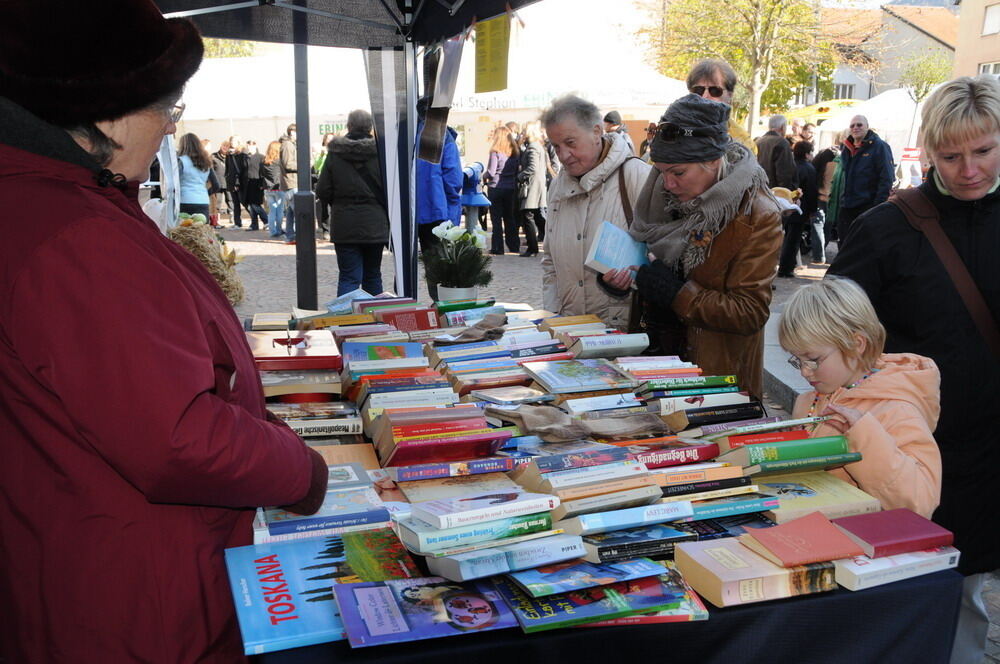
[866, 161]
[474, 201]
[439, 193]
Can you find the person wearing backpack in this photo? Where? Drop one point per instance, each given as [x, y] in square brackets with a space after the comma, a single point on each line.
[351, 184]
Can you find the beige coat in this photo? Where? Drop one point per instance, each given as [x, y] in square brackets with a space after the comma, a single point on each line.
[577, 207]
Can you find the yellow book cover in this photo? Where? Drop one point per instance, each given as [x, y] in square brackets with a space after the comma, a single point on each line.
[816, 491]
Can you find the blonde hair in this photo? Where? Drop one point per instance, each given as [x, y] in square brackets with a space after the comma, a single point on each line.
[533, 132]
[273, 152]
[830, 313]
[960, 110]
[503, 141]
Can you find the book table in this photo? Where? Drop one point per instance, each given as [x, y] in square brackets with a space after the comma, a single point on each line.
[904, 622]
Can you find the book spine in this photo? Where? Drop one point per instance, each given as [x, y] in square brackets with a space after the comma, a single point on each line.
[426, 541]
[474, 436]
[609, 471]
[599, 488]
[559, 462]
[825, 461]
[635, 516]
[455, 520]
[701, 512]
[717, 493]
[674, 456]
[715, 414]
[678, 475]
[669, 405]
[617, 552]
[796, 449]
[331, 427]
[525, 555]
[310, 524]
[607, 413]
[659, 394]
[689, 382]
[852, 575]
[400, 363]
[430, 471]
[708, 430]
[698, 487]
[261, 535]
[606, 501]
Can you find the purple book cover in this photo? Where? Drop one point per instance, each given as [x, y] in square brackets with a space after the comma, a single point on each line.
[414, 609]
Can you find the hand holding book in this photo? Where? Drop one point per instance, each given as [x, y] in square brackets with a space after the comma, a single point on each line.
[621, 278]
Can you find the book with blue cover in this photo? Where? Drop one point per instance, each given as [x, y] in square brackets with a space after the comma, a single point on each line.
[731, 505]
[283, 590]
[614, 248]
[358, 351]
[350, 506]
[630, 517]
[579, 574]
[416, 609]
[536, 614]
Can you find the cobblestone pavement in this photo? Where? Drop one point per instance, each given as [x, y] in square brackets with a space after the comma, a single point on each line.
[268, 273]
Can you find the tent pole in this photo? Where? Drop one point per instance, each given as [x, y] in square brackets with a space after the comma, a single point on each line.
[409, 117]
[304, 202]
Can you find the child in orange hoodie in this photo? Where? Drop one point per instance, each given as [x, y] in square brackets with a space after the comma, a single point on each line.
[886, 404]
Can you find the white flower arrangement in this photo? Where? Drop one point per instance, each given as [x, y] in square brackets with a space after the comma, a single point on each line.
[458, 260]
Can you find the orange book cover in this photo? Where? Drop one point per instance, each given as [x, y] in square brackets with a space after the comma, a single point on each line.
[730, 443]
[808, 539]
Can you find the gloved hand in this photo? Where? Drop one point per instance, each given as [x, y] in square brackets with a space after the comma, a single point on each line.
[658, 284]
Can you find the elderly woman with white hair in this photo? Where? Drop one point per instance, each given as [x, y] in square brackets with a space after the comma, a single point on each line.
[904, 267]
[600, 181]
[710, 221]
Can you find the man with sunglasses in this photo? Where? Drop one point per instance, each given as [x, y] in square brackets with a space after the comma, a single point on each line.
[866, 161]
[716, 80]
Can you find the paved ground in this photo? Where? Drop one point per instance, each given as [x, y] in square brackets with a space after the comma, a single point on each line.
[268, 272]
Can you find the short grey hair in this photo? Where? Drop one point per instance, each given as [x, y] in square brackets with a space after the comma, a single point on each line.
[359, 120]
[776, 122]
[585, 113]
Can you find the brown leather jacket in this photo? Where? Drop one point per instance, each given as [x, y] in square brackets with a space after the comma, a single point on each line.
[726, 300]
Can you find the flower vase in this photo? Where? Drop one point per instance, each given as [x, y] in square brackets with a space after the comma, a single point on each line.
[446, 293]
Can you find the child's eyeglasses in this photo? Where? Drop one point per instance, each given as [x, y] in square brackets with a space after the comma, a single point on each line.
[176, 112]
[811, 365]
[670, 132]
[713, 90]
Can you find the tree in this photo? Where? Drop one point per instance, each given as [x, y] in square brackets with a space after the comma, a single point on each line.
[768, 42]
[921, 76]
[228, 48]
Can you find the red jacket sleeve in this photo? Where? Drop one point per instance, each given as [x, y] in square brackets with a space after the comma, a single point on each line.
[112, 328]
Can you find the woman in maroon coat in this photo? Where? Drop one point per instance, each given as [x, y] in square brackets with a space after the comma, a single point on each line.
[133, 432]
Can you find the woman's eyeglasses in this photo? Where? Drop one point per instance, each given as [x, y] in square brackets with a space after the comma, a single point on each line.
[670, 132]
[713, 90]
[176, 112]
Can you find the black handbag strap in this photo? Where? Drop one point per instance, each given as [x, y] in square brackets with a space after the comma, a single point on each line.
[923, 216]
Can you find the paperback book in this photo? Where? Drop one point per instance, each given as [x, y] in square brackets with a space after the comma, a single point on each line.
[424, 538]
[688, 608]
[580, 574]
[801, 493]
[652, 541]
[506, 557]
[479, 508]
[566, 376]
[863, 572]
[341, 507]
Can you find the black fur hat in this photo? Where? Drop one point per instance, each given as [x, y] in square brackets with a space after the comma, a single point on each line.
[72, 63]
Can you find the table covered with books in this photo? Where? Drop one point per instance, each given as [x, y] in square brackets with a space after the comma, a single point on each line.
[904, 622]
[497, 472]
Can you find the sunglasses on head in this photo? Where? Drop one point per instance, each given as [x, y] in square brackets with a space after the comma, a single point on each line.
[713, 90]
[670, 132]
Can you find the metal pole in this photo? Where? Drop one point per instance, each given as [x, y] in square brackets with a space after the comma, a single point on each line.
[304, 204]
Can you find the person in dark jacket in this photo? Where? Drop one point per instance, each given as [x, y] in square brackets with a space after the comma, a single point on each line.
[351, 184]
[531, 186]
[923, 313]
[129, 464]
[502, 190]
[796, 223]
[289, 179]
[774, 154]
[253, 195]
[236, 177]
[221, 197]
[866, 161]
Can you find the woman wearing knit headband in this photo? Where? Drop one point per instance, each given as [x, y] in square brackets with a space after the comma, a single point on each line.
[709, 220]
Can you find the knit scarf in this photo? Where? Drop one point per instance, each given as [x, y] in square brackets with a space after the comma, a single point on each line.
[681, 233]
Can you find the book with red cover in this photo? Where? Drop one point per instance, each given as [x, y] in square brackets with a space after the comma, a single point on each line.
[671, 452]
[890, 532]
[277, 351]
[808, 539]
[409, 320]
[729, 443]
[451, 449]
[444, 427]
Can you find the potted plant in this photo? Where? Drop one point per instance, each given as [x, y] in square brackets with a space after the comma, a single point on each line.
[457, 264]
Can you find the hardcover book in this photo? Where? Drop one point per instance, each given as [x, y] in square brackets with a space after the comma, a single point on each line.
[729, 443]
[785, 450]
[617, 600]
[283, 591]
[655, 454]
[457, 487]
[731, 505]
[477, 508]
[699, 487]
[535, 471]
[687, 383]
[895, 531]
[507, 557]
[283, 351]
[668, 405]
[425, 471]
[653, 541]
[580, 574]
[416, 609]
[863, 572]
[424, 538]
[801, 493]
[726, 573]
[808, 539]
[799, 465]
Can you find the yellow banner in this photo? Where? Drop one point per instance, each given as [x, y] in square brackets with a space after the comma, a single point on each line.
[492, 47]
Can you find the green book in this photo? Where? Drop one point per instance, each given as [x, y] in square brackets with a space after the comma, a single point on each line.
[785, 450]
[688, 382]
[809, 463]
[458, 305]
